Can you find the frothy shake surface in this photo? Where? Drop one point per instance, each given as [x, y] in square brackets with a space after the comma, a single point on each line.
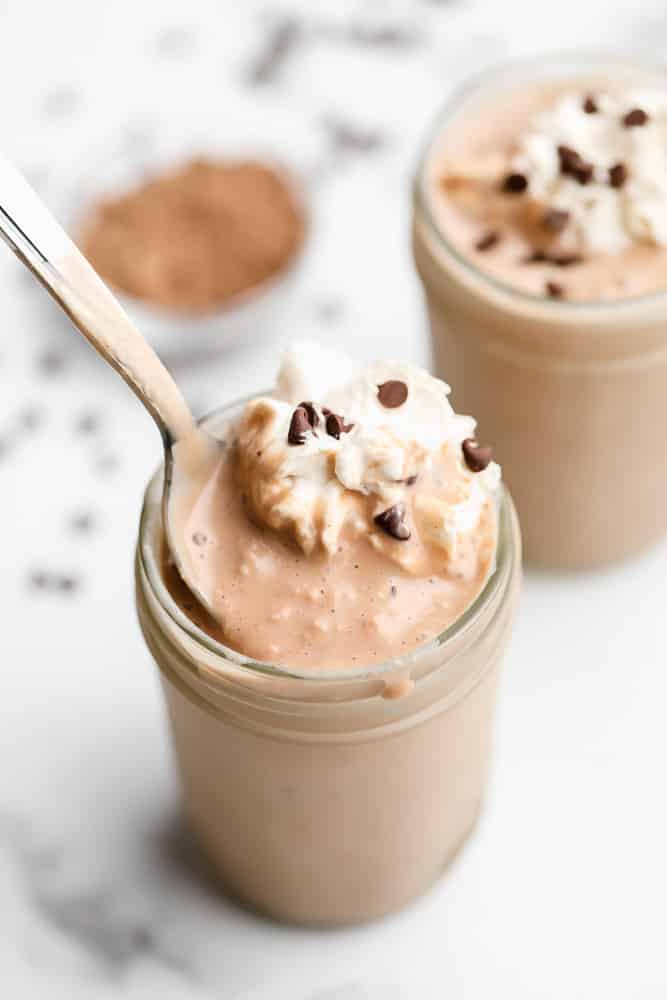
[351, 518]
[560, 190]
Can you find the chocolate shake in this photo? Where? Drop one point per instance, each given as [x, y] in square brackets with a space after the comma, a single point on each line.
[540, 234]
[332, 708]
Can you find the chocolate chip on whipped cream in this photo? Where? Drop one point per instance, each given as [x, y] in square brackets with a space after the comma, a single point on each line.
[590, 105]
[311, 412]
[392, 393]
[618, 175]
[336, 426]
[514, 183]
[477, 457]
[299, 427]
[635, 118]
[392, 521]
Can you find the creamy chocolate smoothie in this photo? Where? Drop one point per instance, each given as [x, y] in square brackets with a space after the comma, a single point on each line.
[332, 708]
[540, 233]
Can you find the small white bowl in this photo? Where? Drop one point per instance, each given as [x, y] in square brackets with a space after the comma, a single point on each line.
[247, 318]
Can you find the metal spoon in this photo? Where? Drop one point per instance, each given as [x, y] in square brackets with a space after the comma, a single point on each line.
[190, 454]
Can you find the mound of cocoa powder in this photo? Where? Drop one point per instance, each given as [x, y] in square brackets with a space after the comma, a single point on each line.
[194, 238]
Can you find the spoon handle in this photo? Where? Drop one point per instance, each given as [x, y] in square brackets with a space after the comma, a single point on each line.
[30, 230]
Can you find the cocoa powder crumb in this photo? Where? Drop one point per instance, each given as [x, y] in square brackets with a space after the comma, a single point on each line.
[194, 238]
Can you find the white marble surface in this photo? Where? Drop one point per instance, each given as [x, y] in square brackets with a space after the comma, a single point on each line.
[562, 892]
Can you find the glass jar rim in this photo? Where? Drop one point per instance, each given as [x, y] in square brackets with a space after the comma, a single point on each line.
[476, 84]
[149, 563]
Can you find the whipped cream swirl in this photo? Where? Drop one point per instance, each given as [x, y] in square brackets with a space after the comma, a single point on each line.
[623, 199]
[363, 452]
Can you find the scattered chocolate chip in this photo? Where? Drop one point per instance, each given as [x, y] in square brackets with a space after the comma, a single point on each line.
[411, 480]
[573, 165]
[555, 220]
[476, 456]
[590, 105]
[51, 362]
[199, 538]
[329, 310]
[30, 418]
[336, 426]
[385, 36]
[63, 583]
[515, 183]
[488, 241]
[311, 412]
[299, 427]
[392, 393]
[635, 118]
[38, 580]
[281, 41]
[555, 290]
[348, 137]
[618, 175]
[565, 259]
[107, 464]
[82, 523]
[87, 423]
[392, 521]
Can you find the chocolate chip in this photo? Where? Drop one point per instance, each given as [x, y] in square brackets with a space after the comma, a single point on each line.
[566, 259]
[199, 538]
[311, 412]
[299, 427]
[283, 37]
[618, 175]
[515, 183]
[52, 362]
[489, 240]
[335, 425]
[87, 423]
[411, 480]
[536, 257]
[555, 220]
[392, 521]
[392, 394]
[393, 590]
[476, 456]
[573, 165]
[590, 105]
[554, 290]
[82, 523]
[635, 117]
[30, 418]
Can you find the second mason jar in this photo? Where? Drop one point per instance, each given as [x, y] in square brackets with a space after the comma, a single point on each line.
[572, 395]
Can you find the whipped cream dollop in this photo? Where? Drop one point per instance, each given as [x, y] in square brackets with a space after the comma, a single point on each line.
[376, 449]
[602, 159]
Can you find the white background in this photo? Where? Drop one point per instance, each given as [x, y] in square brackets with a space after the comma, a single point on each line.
[561, 894]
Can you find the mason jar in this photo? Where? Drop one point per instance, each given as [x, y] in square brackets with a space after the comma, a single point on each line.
[329, 797]
[572, 395]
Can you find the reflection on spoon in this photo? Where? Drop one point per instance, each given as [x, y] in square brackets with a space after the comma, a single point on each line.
[190, 454]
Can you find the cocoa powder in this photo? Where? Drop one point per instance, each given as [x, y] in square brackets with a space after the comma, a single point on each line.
[195, 238]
